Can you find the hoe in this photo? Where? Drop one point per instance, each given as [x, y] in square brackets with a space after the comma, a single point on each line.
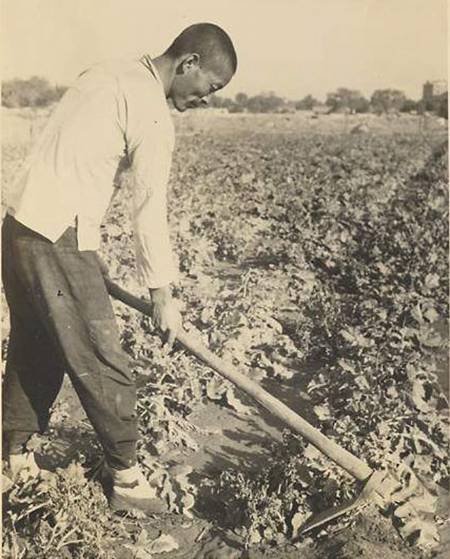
[411, 505]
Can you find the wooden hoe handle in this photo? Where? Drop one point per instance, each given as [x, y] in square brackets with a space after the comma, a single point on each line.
[353, 465]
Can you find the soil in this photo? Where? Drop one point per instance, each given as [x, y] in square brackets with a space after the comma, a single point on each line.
[229, 440]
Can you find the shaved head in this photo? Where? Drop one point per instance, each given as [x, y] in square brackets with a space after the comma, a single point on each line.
[211, 43]
[199, 62]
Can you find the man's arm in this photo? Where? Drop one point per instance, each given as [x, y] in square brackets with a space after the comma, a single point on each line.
[165, 315]
[154, 258]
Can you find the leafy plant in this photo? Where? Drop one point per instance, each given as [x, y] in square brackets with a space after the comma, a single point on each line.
[61, 515]
[313, 257]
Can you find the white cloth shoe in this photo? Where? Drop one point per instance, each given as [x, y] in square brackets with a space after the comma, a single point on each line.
[23, 464]
[131, 490]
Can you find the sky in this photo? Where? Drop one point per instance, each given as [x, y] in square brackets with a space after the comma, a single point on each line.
[291, 47]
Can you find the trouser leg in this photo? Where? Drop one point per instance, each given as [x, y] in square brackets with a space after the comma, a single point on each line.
[33, 373]
[32, 381]
[67, 292]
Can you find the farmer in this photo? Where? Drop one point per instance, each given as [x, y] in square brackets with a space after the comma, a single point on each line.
[61, 315]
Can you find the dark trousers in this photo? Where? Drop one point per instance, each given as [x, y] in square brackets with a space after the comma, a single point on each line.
[62, 321]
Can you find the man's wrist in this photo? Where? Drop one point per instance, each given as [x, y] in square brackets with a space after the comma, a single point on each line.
[160, 294]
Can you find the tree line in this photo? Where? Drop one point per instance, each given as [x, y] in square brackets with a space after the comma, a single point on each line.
[342, 100]
[32, 92]
[38, 92]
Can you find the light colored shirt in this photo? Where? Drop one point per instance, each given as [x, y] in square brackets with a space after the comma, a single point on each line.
[113, 110]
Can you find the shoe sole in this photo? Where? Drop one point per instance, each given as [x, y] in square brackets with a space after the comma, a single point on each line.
[118, 503]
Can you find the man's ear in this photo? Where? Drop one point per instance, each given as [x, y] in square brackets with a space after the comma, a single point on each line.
[188, 63]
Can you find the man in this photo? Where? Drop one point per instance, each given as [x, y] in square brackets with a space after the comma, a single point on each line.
[61, 316]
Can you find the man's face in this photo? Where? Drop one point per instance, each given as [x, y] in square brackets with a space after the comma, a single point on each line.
[193, 84]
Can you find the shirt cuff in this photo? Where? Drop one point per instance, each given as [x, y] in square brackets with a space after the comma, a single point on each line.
[155, 276]
[154, 281]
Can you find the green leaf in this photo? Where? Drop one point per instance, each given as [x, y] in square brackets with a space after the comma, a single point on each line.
[207, 315]
[169, 494]
[163, 544]
[187, 502]
[254, 536]
[215, 389]
[281, 371]
[419, 396]
[312, 453]
[138, 552]
[382, 268]
[297, 521]
[363, 341]
[348, 337]
[429, 338]
[416, 313]
[347, 366]
[236, 404]
[404, 511]
[432, 281]
[322, 412]
[424, 533]
[362, 383]
[142, 539]
[431, 315]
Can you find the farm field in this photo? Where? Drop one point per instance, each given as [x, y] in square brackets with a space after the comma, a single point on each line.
[313, 255]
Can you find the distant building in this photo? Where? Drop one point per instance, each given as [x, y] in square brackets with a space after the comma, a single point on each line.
[434, 89]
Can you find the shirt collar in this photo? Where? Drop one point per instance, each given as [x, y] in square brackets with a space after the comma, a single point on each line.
[148, 63]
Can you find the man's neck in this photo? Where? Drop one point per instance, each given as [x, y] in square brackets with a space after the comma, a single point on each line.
[166, 71]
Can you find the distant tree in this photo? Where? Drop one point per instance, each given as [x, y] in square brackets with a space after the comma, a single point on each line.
[387, 100]
[428, 105]
[10, 96]
[241, 99]
[437, 104]
[265, 103]
[254, 104]
[236, 108]
[409, 105]
[33, 92]
[442, 109]
[361, 105]
[217, 102]
[344, 98]
[306, 104]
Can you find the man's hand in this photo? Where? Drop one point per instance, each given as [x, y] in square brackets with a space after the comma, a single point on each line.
[165, 315]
